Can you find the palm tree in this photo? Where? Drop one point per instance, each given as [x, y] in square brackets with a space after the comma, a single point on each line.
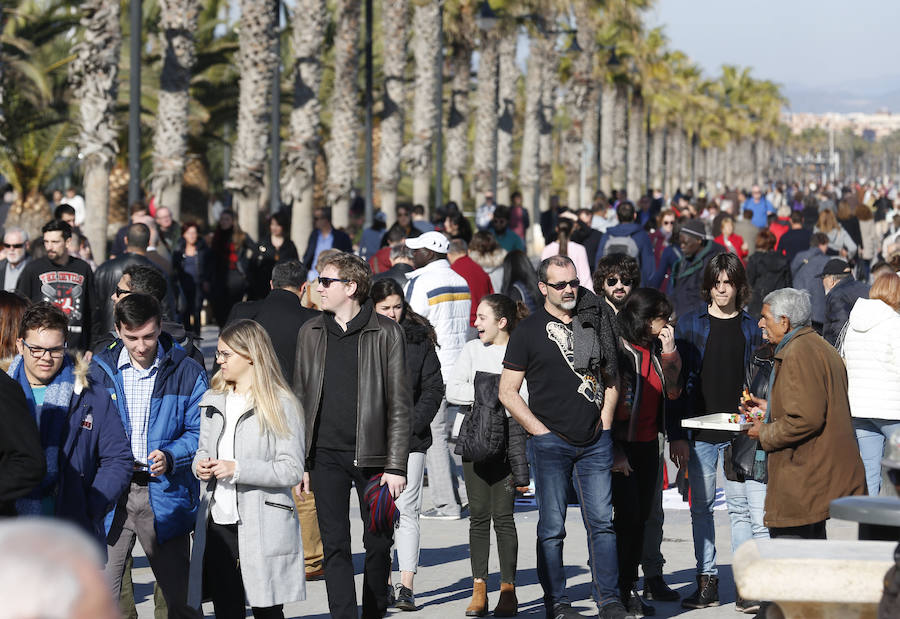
[549, 85]
[486, 115]
[341, 149]
[580, 96]
[457, 151]
[394, 18]
[178, 22]
[507, 90]
[426, 40]
[256, 61]
[300, 150]
[94, 75]
[529, 162]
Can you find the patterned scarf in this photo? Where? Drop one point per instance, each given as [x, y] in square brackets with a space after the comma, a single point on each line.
[52, 424]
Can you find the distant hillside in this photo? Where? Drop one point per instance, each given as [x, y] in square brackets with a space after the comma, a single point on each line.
[865, 95]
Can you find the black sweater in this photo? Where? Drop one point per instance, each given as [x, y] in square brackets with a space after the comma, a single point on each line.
[22, 464]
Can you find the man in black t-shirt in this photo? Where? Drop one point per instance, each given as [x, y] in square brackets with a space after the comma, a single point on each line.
[566, 352]
[715, 345]
[63, 280]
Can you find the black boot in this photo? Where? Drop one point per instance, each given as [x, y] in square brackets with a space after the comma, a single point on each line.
[748, 607]
[655, 588]
[706, 595]
[634, 604]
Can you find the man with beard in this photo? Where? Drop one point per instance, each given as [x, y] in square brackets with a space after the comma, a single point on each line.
[617, 275]
[508, 240]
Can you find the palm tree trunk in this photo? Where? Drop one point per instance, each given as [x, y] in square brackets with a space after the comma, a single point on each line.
[300, 150]
[620, 139]
[509, 78]
[426, 37]
[607, 136]
[591, 144]
[394, 17]
[178, 22]
[637, 151]
[95, 73]
[579, 96]
[529, 161]
[550, 82]
[256, 65]
[657, 146]
[342, 148]
[458, 122]
[730, 163]
[685, 169]
[486, 117]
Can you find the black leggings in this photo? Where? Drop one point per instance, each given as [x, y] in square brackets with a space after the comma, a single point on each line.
[222, 575]
[632, 500]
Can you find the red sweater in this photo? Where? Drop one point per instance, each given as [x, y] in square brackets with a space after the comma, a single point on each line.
[479, 282]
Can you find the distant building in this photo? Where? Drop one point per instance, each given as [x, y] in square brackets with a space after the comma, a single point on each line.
[868, 126]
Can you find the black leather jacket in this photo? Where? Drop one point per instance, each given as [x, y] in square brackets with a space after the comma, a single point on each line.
[385, 401]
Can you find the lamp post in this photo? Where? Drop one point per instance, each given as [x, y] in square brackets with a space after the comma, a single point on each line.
[275, 160]
[487, 19]
[134, 106]
[369, 156]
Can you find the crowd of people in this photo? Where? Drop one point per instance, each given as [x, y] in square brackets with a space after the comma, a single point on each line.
[431, 346]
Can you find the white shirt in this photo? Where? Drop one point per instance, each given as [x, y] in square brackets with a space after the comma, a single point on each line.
[224, 505]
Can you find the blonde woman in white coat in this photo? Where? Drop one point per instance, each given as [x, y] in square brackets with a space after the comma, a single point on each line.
[871, 350]
[251, 453]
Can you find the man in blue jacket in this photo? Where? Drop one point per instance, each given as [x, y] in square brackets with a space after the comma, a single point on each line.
[87, 454]
[628, 237]
[157, 388]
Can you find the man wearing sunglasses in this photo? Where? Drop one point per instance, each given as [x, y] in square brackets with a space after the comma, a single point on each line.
[567, 353]
[86, 451]
[617, 275]
[15, 244]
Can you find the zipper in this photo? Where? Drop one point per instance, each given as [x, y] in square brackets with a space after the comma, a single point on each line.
[279, 505]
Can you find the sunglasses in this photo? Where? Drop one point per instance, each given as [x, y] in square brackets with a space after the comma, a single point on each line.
[120, 292]
[562, 285]
[327, 281]
[612, 281]
[14, 245]
[670, 222]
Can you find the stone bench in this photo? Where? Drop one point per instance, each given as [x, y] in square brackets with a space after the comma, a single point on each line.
[815, 578]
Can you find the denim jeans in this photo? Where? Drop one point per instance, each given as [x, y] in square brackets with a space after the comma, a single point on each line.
[553, 463]
[745, 505]
[870, 435]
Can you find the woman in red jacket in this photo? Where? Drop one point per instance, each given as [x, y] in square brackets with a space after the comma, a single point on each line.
[731, 241]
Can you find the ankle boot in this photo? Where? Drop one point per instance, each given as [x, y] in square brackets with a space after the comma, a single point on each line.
[655, 588]
[706, 595]
[508, 605]
[479, 605]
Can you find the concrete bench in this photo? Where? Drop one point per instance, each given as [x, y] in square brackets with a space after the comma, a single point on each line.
[815, 578]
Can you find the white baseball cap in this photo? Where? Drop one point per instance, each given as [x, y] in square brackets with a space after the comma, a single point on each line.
[435, 241]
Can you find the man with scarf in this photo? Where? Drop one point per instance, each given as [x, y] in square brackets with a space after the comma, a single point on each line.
[687, 272]
[808, 433]
[87, 454]
[567, 353]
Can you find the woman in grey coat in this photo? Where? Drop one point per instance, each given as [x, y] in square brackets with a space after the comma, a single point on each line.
[251, 452]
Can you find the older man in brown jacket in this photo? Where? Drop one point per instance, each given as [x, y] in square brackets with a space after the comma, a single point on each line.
[812, 450]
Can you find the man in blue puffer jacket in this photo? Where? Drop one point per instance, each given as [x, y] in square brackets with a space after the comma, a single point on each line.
[157, 388]
[86, 451]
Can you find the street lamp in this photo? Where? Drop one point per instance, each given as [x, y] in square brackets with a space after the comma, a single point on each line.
[487, 19]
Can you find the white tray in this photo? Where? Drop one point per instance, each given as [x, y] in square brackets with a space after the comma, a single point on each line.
[714, 421]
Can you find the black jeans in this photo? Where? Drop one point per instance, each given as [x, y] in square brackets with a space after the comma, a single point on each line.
[491, 497]
[815, 530]
[222, 575]
[331, 478]
[632, 498]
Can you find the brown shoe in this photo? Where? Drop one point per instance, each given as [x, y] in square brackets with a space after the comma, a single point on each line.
[508, 606]
[318, 574]
[479, 605]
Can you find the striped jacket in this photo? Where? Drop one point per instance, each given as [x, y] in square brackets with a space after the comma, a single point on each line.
[174, 429]
[442, 296]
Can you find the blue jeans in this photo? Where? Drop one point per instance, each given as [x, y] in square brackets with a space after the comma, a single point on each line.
[553, 463]
[745, 505]
[870, 435]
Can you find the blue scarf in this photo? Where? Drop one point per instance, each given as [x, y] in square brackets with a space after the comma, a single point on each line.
[52, 424]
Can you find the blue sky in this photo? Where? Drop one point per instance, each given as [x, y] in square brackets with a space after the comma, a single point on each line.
[816, 49]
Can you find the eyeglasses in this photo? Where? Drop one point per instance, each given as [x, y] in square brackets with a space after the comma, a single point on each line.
[668, 222]
[121, 293]
[612, 281]
[562, 285]
[38, 353]
[14, 245]
[327, 281]
[225, 355]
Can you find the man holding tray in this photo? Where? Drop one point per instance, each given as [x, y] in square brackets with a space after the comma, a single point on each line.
[712, 378]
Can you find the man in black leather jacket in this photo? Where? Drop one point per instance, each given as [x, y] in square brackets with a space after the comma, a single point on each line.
[350, 377]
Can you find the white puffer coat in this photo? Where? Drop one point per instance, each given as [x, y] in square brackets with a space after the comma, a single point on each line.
[872, 354]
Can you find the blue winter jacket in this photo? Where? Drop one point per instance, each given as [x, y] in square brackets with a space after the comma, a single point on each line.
[641, 239]
[174, 429]
[691, 334]
[95, 463]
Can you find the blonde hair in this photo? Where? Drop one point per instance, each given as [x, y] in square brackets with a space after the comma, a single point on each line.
[886, 288]
[827, 222]
[267, 387]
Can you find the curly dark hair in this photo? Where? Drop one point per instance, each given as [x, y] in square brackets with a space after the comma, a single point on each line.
[733, 267]
[622, 265]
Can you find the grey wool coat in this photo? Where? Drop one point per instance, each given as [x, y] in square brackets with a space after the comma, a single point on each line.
[269, 544]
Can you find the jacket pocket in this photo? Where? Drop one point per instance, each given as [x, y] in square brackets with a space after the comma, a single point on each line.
[289, 508]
